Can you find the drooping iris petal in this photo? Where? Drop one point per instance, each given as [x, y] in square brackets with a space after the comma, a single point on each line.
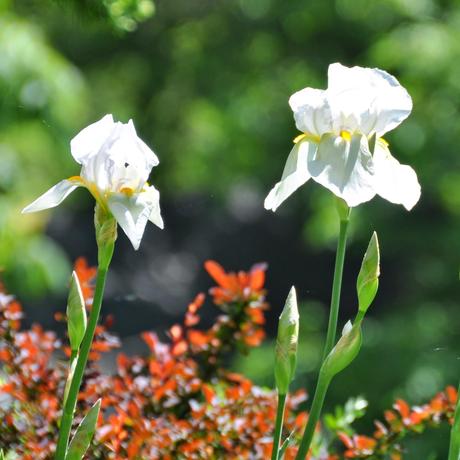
[294, 175]
[152, 195]
[395, 182]
[366, 100]
[132, 213]
[88, 142]
[312, 112]
[54, 196]
[345, 167]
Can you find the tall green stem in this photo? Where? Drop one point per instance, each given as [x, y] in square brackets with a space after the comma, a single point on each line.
[313, 417]
[454, 448]
[323, 382]
[69, 406]
[336, 288]
[278, 426]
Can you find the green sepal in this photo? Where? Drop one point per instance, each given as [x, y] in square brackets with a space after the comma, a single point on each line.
[84, 434]
[76, 314]
[345, 351]
[342, 209]
[72, 366]
[371, 142]
[367, 283]
[106, 235]
[286, 344]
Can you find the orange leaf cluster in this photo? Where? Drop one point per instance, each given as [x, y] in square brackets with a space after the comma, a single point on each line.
[178, 402]
[399, 422]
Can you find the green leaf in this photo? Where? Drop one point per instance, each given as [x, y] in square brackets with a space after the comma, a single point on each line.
[344, 352]
[368, 278]
[286, 344]
[2, 455]
[84, 434]
[76, 314]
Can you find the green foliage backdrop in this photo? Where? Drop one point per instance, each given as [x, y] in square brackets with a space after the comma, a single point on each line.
[207, 83]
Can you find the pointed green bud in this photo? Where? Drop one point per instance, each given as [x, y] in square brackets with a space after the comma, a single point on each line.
[368, 278]
[2, 455]
[106, 234]
[84, 434]
[344, 352]
[343, 209]
[286, 344]
[76, 314]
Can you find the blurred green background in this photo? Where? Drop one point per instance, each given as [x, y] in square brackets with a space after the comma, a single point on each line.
[206, 83]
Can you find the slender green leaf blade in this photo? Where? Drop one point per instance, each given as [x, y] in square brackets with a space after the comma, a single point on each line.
[84, 434]
[454, 447]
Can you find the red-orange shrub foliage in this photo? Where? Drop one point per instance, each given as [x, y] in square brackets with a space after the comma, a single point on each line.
[177, 402]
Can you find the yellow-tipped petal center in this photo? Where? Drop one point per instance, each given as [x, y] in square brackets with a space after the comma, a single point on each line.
[128, 191]
[345, 135]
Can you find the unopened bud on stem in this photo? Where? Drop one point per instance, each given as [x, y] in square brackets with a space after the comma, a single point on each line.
[76, 314]
[286, 344]
[368, 278]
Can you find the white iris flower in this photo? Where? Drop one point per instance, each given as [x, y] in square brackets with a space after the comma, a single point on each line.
[116, 164]
[342, 147]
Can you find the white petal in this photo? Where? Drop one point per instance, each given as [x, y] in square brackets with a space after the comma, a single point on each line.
[311, 109]
[54, 196]
[143, 149]
[367, 100]
[345, 168]
[395, 182]
[89, 141]
[294, 175]
[153, 195]
[133, 213]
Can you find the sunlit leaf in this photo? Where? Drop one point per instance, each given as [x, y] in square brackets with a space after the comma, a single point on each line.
[84, 434]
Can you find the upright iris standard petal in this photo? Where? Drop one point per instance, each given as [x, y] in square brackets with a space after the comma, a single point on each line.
[341, 125]
[89, 141]
[295, 174]
[395, 182]
[116, 165]
[345, 167]
[54, 196]
[372, 98]
[312, 112]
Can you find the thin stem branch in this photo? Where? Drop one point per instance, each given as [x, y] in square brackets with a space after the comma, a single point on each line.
[278, 426]
[336, 288]
[313, 417]
[70, 404]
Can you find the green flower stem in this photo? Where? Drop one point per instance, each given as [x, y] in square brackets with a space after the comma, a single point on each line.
[454, 447]
[336, 288]
[278, 426]
[70, 404]
[313, 416]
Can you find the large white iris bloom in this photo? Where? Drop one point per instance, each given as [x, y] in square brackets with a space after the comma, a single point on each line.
[116, 164]
[341, 146]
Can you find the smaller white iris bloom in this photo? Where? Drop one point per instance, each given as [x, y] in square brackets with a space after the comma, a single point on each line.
[342, 147]
[116, 164]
